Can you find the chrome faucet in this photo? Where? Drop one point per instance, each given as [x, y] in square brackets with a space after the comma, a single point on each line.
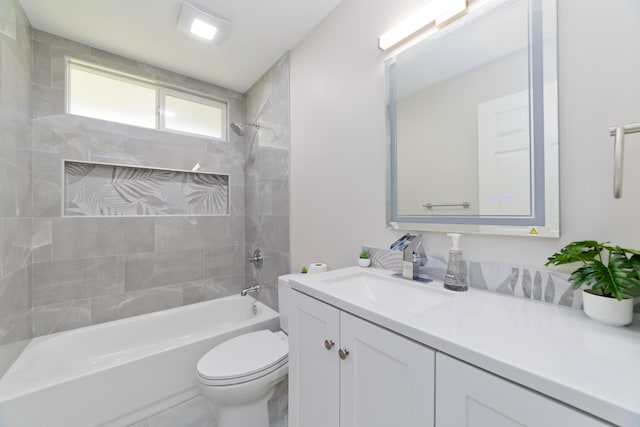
[252, 289]
[413, 256]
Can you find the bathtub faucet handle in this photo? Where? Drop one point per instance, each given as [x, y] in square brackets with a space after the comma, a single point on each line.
[251, 289]
[257, 259]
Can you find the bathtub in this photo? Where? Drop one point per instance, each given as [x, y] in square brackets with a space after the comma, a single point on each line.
[119, 372]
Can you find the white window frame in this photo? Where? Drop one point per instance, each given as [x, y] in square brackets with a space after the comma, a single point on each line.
[162, 90]
[161, 124]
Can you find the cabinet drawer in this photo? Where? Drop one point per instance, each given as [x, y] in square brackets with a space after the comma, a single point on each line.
[470, 397]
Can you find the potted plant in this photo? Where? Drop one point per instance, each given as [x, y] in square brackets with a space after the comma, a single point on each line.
[611, 281]
[364, 260]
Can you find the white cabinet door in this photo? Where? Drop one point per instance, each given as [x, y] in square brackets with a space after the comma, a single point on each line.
[386, 380]
[314, 371]
[470, 397]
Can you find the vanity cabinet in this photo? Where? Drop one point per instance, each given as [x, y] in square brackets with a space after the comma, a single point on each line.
[347, 372]
[470, 397]
[314, 367]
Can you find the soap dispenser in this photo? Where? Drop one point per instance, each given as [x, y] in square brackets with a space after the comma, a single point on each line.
[456, 278]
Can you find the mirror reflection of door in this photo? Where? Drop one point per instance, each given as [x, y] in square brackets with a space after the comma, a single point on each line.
[503, 156]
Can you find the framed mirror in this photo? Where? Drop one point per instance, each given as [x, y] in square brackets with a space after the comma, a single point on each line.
[473, 124]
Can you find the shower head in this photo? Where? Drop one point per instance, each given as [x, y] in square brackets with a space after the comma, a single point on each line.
[238, 128]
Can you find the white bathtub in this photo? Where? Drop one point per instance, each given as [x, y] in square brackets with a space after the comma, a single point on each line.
[119, 372]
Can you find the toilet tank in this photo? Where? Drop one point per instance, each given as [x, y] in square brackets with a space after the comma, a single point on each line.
[284, 300]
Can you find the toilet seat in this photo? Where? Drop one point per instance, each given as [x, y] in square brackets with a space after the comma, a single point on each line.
[244, 358]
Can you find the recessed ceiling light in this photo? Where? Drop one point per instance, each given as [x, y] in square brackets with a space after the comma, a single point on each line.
[202, 25]
[202, 29]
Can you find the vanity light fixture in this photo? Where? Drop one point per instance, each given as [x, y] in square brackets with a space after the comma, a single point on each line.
[438, 12]
[202, 25]
[452, 10]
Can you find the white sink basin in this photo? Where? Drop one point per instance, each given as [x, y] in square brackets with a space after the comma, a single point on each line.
[395, 293]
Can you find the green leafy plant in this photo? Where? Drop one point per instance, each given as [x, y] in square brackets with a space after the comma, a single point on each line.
[364, 254]
[617, 276]
[304, 270]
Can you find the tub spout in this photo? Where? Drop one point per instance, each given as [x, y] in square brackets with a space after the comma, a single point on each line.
[252, 289]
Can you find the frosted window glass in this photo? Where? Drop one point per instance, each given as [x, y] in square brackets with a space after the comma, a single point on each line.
[193, 117]
[100, 97]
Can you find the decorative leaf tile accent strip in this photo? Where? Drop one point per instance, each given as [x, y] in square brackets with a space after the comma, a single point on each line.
[110, 190]
[536, 284]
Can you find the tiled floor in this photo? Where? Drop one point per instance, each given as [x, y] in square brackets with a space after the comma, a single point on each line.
[197, 413]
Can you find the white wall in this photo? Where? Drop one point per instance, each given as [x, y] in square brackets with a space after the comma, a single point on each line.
[338, 152]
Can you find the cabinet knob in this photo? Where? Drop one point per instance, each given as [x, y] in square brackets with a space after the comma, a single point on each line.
[343, 353]
[328, 344]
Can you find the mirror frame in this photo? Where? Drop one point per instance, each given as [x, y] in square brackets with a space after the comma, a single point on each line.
[541, 12]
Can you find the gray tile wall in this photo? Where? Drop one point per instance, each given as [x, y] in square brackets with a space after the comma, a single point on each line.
[267, 178]
[15, 181]
[59, 273]
[92, 270]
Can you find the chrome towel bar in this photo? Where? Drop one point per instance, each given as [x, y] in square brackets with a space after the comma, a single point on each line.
[431, 205]
[618, 133]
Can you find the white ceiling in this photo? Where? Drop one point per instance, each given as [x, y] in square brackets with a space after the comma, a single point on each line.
[145, 30]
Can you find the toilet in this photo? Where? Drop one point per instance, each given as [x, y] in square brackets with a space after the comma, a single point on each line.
[239, 376]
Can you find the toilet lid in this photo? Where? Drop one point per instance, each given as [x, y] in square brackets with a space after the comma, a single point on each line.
[244, 355]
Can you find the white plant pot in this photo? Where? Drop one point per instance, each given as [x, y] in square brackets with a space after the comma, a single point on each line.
[609, 311]
[364, 262]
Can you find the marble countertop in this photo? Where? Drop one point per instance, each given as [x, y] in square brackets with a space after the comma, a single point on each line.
[555, 350]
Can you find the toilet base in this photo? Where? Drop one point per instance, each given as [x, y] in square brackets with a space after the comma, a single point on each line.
[244, 404]
[253, 414]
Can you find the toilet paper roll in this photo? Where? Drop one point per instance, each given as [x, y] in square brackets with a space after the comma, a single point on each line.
[318, 267]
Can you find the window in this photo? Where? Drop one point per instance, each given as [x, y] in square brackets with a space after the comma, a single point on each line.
[108, 98]
[107, 95]
[184, 113]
